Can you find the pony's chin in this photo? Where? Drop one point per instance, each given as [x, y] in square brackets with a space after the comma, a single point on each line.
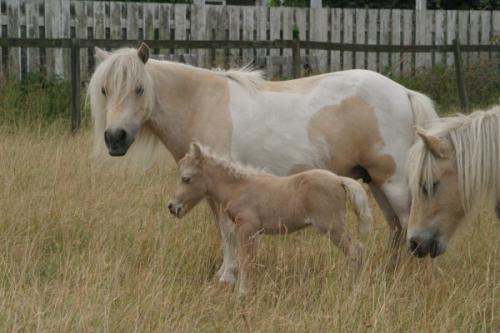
[117, 152]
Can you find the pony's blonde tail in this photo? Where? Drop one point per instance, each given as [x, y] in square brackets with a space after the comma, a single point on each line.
[422, 108]
[359, 200]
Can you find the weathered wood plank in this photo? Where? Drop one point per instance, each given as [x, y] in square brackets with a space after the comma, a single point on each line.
[234, 16]
[372, 38]
[474, 30]
[288, 26]
[199, 32]
[13, 30]
[301, 22]
[181, 25]
[485, 31]
[319, 26]
[360, 37]
[396, 40]
[385, 39]
[439, 36]
[32, 32]
[261, 26]
[64, 68]
[407, 61]
[248, 27]
[336, 24]
[273, 69]
[463, 27]
[133, 24]
[451, 33]
[116, 22]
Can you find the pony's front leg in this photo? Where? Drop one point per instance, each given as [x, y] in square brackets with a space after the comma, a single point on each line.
[227, 271]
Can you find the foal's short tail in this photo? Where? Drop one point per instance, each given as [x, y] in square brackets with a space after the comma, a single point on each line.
[359, 200]
[422, 108]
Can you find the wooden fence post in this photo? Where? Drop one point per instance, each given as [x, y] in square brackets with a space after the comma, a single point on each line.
[296, 58]
[75, 85]
[460, 76]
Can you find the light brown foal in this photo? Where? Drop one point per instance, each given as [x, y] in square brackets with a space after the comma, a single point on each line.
[260, 203]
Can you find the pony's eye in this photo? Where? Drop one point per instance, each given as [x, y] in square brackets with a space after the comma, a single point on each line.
[103, 91]
[185, 180]
[425, 190]
[139, 91]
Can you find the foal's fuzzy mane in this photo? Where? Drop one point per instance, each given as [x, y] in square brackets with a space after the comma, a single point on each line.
[123, 69]
[475, 139]
[234, 169]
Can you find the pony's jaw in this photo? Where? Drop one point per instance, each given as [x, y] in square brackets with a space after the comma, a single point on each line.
[118, 141]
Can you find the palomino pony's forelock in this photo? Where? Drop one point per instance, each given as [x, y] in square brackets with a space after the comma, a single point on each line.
[476, 144]
[234, 169]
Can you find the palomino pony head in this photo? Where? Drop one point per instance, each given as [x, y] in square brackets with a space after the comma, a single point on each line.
[121, 97]
[452, 171]
[191, 185]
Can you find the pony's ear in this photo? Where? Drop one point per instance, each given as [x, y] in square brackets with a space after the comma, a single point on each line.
[195, 151]
[143, 52]
[436, 145]
[101, 54]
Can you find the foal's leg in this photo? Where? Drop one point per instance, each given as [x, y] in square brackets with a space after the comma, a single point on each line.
[247, 234]
[227, 271]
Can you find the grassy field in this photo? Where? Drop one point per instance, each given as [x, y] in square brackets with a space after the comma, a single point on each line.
[90, 248]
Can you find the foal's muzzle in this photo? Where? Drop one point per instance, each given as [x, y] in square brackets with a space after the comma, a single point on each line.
[117, 141]
[421, 246]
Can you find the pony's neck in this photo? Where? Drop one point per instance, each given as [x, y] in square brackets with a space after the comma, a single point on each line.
[179, 92]
[221, 183]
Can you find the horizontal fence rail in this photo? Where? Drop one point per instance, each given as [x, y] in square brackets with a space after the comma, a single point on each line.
[226, 44]
[296, 46]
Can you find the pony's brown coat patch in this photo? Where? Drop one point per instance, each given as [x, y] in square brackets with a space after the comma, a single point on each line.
[360, 147]
[206, 97]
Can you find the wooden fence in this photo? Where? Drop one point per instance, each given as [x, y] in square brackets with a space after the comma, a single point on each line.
[63, 19]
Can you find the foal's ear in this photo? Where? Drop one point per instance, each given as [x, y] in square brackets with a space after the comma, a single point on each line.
[143, 52]
[437, 146]
[195, 150]
[101, 54]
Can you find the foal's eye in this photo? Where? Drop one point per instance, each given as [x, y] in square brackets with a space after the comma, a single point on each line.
[139, 90]
[185, 180]
[103, 91]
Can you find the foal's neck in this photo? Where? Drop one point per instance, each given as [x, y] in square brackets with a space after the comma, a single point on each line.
[221, 183]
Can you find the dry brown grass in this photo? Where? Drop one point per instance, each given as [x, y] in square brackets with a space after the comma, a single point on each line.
[87, 249]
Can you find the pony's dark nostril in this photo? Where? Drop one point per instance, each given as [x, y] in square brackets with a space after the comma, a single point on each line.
[121, 134]
[170, 206]
[413, 244]
[106, 137]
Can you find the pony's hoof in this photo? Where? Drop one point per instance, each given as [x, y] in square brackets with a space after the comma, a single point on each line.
[227, 278]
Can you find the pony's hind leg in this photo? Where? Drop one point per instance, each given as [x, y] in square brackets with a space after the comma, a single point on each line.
[227, 271]
[336, 230]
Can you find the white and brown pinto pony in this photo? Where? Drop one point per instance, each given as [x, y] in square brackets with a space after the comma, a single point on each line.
[257, 202]
[356, 123]
[453, 170]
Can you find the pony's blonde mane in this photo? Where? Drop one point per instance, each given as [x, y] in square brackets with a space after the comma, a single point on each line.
[475, 139]
[235, 169]
[123, 70]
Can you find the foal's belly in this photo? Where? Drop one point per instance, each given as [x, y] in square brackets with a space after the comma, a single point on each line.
[277, 227]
